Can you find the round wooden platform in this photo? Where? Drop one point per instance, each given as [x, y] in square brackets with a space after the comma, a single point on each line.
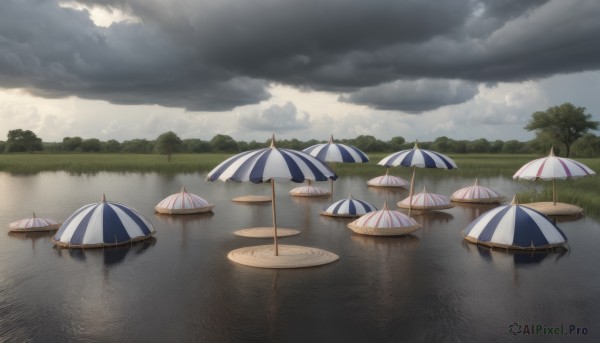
[265, 232]
[290, 256]
[551, 209]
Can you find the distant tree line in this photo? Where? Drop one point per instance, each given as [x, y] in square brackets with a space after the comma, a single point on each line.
[564, 127]
[169, 143]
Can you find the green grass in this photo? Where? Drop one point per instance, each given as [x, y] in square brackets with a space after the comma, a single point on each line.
[582, 192]
[93, 163]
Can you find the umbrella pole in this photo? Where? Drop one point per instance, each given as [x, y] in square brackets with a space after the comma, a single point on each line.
[331, 180]
[412, 186]
[274, 217]
[554, 191]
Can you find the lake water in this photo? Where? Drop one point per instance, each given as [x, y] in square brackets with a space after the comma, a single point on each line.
[179, 286]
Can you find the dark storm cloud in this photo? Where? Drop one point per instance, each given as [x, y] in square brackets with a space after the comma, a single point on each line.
[216, 55]
[413, 97]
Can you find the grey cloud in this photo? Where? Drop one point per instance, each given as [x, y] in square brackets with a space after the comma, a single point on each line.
[414, 96]
[276, 119]
[217, 55]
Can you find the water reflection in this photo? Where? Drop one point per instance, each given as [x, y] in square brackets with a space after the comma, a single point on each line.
[515, 260]
[429, 219]
[186, 223]
[473, 211]
[110, 256]
[33, 236]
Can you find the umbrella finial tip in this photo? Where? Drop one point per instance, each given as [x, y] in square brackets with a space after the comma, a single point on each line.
[183, 189]
[552, 150]
[331, 138]
[476, 181]
[103, 197]
[416, 144]
[514, 201]
[273, 141]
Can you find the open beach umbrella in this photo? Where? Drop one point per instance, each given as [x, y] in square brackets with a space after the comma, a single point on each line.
[414, 158]
[426, 201]
[552, 168]
[270, 165]
[384, 222]
[103, 224]
[33, 224]
[348, 208]
[476, 194]
[183, 203]
[336, 152]
[387, 181]
[515, 227]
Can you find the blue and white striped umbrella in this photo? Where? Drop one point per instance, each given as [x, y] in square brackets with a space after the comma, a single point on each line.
[103, 224]
[515, 227]
[348, 208]
[414, 158]
[417, 157]
[272, 164]
[337, 152]
[263, 165]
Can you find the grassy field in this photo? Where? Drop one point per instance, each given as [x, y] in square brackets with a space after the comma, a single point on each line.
[582, 192]
[93, 163]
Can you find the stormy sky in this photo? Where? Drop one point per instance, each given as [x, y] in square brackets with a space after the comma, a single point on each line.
[124, 69]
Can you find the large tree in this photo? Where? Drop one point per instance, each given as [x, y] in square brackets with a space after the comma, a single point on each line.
[223, 143]
[168, 143]
[23, 140]
[565, 124]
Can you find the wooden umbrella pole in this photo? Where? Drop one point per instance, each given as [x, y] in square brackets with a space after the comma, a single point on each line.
[554, 191]
[274, 216]
[331, 180]
[412, 186]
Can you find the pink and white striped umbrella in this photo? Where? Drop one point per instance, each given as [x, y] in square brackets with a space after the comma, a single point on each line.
[384, 222]
[33, 224]
[552, 168]
[476, 194]
[183, 203]
[387, 181]
[309, 191]
[426, 201]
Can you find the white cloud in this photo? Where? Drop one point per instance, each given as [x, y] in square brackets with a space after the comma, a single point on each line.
[276, 118]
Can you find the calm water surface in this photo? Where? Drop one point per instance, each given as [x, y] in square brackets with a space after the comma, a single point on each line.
[180, 286]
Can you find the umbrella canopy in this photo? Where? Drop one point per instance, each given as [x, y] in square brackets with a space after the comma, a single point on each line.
[103, 224]
[33, 224]
[426, 201]
[272, 164]
[183, 203]
[476, 194]
[384, 222]
[515, 227]
[417, 157]
[387, 181]
[348, 208]
[268, 164]
[309, 191]
[337, 152]
[552, 168]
